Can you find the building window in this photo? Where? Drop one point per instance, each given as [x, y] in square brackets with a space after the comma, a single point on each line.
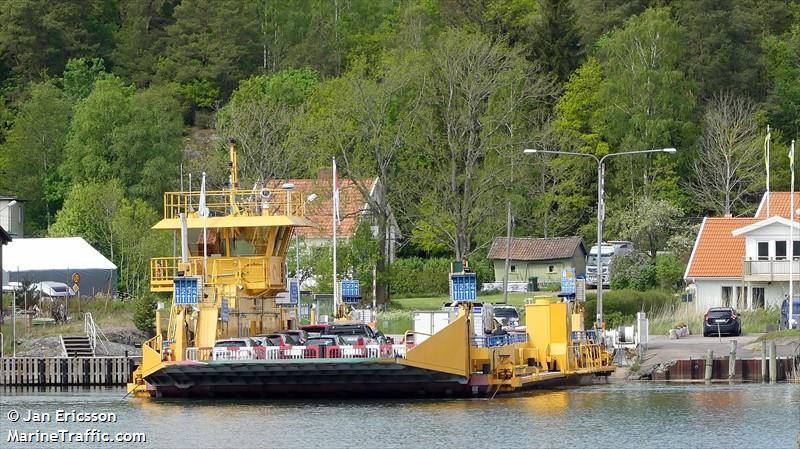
[727, 293]
[763, 250]
[796, 250]
[513, 268]
[758, 297]
[551, 269]
[780, 250]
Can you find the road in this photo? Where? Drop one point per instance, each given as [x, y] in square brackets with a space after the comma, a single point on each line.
[661, 349]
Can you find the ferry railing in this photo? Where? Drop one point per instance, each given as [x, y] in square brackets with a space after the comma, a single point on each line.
[236, 202]
[296, 352]
[587, 356]
[491, 341]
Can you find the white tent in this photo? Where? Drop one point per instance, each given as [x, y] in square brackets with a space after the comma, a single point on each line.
[58, 259]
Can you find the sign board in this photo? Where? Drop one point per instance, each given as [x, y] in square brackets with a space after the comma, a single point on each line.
[568, 281]
[76, 278]
[224, 310]
[187, 290]
[282, 299]
[75, 287]
[463, 287]
[580, 289]
[304, 310]
[294, 291]
[351, 291]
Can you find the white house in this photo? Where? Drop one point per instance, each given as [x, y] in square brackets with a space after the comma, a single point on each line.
[12, 215]
[744, 262]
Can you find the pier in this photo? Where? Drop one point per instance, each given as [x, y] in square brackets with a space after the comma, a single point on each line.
[67, 371]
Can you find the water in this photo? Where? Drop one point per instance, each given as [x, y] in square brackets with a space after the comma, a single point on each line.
[614, 416]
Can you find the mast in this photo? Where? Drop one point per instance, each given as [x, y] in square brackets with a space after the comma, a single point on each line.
[335, 216]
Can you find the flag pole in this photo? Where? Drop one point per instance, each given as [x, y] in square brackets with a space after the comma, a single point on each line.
[204, 214]
[334, 214]
[791, 236]
[766, 157]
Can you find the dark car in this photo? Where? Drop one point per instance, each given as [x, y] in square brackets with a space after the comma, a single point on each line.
[315, 329]
[506, 314]
[360, 334]
[784, 320]
[721, 320]
[325, 341]
[299, 335]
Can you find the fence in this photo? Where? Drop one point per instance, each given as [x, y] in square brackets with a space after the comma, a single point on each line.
[62, 371]
[498, 340]
[296, 352]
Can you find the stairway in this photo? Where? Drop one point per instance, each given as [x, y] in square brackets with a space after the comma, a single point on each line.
[77, 346]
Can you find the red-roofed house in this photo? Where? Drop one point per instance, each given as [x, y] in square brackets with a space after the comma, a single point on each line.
[353, 209]
[744, 262]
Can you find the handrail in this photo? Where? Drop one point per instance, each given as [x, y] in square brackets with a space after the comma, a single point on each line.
[91, 329]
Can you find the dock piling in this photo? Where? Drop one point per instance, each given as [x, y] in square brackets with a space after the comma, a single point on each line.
[732, 362]
[709, 365]
[773, 363]
[763, 361]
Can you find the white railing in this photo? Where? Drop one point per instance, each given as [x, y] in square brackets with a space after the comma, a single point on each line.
[92, 331]
[771, 268]
[296, 352]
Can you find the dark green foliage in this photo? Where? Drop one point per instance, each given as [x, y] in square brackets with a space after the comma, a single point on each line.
[556, 42]
[144, 313]
[420, 277]
[633, 271]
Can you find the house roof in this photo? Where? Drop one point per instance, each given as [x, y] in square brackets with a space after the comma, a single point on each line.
[717, 253]
[779, 203]
[764, 223]
[352, 204]
[528, 248]
[53, 254]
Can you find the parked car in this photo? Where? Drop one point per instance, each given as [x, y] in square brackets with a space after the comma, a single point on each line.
[357, 333]
[235, 343]
[314, 329]
[275, 339]
[506, 314]
[298, 334]
[722, 320]
[325, 341]
[784, 322]
[382, 339]
[50, 289]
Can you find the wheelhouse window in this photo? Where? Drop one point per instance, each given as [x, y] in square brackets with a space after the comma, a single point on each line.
[780, 250]
[763, 250]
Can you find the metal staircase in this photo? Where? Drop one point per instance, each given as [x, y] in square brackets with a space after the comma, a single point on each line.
[83, 345]
[77, 346]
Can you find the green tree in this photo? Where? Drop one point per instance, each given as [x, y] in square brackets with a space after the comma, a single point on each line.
[556, 42]
[132, 136]
[598, 17]
[783, 69]
[141, 38]
[211, 41]
[37, 37]
[144, 313]
[647, 102]
[33, 151]
[649, 223]
[80, 75]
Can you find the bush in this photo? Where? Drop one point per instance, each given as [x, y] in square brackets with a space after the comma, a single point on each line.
[633, 271]
[144, 313]
[620, 306]
[669, 272]
[415, 276]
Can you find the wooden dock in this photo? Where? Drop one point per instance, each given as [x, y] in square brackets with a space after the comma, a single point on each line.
[63, 371]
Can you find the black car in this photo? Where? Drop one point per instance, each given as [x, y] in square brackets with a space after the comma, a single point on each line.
[349, 331]
[721, 320]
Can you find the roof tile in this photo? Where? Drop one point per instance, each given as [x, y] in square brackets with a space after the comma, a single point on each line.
[717, 253]
[528, 248]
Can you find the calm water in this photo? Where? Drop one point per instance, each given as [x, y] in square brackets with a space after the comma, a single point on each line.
[616, 415]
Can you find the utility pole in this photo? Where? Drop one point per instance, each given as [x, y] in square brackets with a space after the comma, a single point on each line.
[508, 253]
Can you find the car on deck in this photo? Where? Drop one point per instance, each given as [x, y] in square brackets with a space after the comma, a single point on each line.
[722, 320]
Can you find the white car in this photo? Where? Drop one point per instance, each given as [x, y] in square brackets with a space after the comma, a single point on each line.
[50, 289]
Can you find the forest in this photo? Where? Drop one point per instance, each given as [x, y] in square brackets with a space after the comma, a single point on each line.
[104, 103]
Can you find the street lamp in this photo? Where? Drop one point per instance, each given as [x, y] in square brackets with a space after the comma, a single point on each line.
[600, 209]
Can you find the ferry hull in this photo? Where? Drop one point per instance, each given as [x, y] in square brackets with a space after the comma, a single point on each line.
[329, 378]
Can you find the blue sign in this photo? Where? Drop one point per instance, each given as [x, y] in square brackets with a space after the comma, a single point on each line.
[224, 310]
[187, 290]
[351, 291]
[568, 281]
[294, 291]
[463, 287]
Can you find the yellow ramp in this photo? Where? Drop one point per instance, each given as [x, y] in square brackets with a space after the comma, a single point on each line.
[207, 327]
[446, 351]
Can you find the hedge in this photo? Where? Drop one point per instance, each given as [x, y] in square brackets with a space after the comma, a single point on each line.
[620, 306]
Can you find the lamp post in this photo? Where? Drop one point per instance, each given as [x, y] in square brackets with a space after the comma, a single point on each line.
[13, 302]
[308, 200]
[600, 209]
